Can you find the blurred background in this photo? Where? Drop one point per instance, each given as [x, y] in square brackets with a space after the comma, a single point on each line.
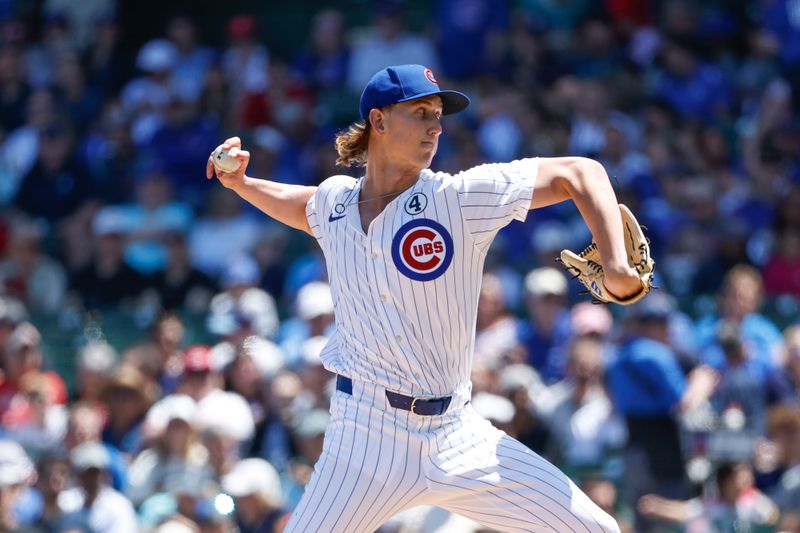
[159, 338]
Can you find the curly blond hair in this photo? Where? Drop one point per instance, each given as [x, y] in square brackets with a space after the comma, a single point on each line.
[352, 145]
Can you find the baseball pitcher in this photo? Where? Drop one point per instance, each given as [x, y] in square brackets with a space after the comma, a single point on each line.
[405, 248]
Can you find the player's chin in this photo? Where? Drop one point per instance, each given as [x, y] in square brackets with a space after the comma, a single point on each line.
[428, 152]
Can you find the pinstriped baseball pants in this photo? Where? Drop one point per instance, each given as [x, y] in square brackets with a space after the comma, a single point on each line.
[378, 461]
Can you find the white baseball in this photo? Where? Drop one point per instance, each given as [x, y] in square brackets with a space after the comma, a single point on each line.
[223, 161]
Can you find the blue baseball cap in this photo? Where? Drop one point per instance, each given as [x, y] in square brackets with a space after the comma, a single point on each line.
[402, 83]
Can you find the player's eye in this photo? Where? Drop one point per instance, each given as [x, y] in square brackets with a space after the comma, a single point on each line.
[425, 113]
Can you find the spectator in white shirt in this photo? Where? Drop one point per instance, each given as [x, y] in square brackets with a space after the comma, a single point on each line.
[93, 505]
[390, 43]
[578, 411]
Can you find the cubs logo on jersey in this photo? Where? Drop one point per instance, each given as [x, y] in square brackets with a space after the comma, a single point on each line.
[422, 249]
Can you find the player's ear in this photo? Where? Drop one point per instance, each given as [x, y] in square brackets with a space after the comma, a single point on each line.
[377, 120]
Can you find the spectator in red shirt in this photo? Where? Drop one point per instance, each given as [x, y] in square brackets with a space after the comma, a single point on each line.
[782, 271]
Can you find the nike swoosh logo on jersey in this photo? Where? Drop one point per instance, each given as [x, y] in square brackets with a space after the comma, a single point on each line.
[332, 218]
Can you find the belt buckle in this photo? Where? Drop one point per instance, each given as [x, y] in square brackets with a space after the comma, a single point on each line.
[414, 406]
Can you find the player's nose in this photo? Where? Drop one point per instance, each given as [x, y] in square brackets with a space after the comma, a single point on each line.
[435, 129]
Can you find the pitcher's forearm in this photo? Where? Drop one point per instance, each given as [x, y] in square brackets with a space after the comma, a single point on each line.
[586, 182]
[282, 201]
[597, 203]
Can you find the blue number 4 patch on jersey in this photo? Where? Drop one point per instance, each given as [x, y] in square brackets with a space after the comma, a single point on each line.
[416, 204]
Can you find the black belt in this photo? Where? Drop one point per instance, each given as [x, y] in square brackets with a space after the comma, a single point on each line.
[418, 406]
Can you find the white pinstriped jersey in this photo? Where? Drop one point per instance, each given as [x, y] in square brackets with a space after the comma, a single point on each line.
[406, 292]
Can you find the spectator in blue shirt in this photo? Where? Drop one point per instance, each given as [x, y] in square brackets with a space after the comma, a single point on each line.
[546, 333]
[467, 29]
[178, 144]
[649, 388]
[57, 172]
[128, 397]
[740, 299]
[739, 389]
[783, 385]
[780, 23]
[193, 59]
[323, 63]
[645, 378]
[695, 90]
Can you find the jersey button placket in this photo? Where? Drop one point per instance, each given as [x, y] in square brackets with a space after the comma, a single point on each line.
[374, 268]
[372, 249]
[378, 283]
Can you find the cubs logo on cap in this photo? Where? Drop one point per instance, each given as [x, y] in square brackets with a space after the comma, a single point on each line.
[401, 83]
[422, 249]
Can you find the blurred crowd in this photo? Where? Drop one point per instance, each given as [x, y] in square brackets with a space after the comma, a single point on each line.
[160, 339]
